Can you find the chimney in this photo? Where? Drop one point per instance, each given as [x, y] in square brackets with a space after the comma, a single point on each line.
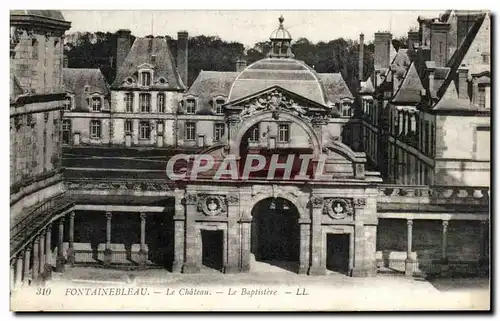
[463, 86]
[65, 61]
[413, 39]
[182, 56]
[382, 49]
[439, 43]
[360, 58]
[240, 65]
[122, 46]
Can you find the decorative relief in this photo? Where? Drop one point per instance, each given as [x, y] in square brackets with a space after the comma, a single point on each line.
[232, 199]
[274, 102]
[190, 199]
[359, 202]
[212, 205]
[137, 186]
[317, 202]
[337, 208]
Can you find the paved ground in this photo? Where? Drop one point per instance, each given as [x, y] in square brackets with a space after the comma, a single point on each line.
[212, 290]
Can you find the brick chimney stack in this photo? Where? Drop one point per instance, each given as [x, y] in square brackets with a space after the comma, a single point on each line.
[122, 47]
[360, 58]
[463, 87]
[413, 39]
[382, 50]
[439, 43]
[240, 65]
[182, 56]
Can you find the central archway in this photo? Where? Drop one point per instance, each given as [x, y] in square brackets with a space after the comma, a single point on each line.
[275, 235]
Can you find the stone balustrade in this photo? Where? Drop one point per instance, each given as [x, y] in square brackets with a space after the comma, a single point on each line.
[471, 195]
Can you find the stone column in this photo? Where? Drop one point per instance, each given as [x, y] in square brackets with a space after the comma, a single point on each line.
[41, 266]
[142, 251]
[409, 239]
[60, 252]
[107, 250]
[19, 269]
[317, 266]
[233, 247]
[179, 232]
[36, 259]
[27, 259]
[48, 249]
[245, 225]
[362, 267]
[192, 264]
[71, 248]
[305, 235]
[444, 249]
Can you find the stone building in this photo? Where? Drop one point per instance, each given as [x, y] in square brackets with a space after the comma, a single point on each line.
[426, 108]
[36, 110]
[87, 113]
[121, 207]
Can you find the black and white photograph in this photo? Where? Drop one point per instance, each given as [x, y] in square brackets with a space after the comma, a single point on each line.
[250, 160]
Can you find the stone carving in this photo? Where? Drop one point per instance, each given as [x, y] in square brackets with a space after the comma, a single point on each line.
[136, 186]
[274, 102]
[232, 199]
[337, 208]
[190, 199]
[212, 205]
[359, 202]
[316, 202]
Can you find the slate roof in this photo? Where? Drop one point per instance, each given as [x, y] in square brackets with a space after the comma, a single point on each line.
[155, 52]
[75, 80]
[410, 89]
[210, 84]
[334, 86]
[51, 14]
[291, 74]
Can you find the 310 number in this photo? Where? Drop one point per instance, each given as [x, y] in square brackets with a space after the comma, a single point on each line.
[43, 291]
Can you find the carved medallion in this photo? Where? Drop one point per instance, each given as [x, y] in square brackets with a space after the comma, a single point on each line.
[337, 208]
[212, 205]
[359, 202]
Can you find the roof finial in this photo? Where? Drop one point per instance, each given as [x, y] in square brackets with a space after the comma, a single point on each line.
[281, 19]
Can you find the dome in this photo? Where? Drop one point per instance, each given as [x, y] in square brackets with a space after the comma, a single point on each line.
[280, 33]
[288, 73]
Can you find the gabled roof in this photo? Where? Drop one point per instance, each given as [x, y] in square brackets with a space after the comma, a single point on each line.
[82, 82]
[410, 89]
[334, 87]
[450, 101]
[210, 84]
[156, 53]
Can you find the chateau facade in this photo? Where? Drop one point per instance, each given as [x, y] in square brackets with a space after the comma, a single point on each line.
[121, 208]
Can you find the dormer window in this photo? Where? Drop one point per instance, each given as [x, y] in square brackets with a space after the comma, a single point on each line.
[481, 97]
[96, 103]
[346, 110]
[67, 103]
[130, 81]
[218, 106]
[162, 81]
[190, 106]
[145, 78]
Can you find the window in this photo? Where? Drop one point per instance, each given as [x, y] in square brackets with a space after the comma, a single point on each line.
[160, 126]
[145, 78]
[190, 106]
[481, 97]
[486, 58]
[219, 131]
[128, 126]
[95, 129]
[96, 103]
[144, 130]
[283, 133]
[190, 131]
[346, 110]
[67, 103]
[129, 102]
[160, 103]
[218, 106]
[254, 133]
[66, 131]
[145, 103]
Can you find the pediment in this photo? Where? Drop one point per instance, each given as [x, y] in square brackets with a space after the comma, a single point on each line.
[276, 99]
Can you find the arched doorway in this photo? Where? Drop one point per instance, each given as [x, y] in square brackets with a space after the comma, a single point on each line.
[275, 236]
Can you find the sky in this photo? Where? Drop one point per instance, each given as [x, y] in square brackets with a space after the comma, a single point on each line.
[248, 27]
